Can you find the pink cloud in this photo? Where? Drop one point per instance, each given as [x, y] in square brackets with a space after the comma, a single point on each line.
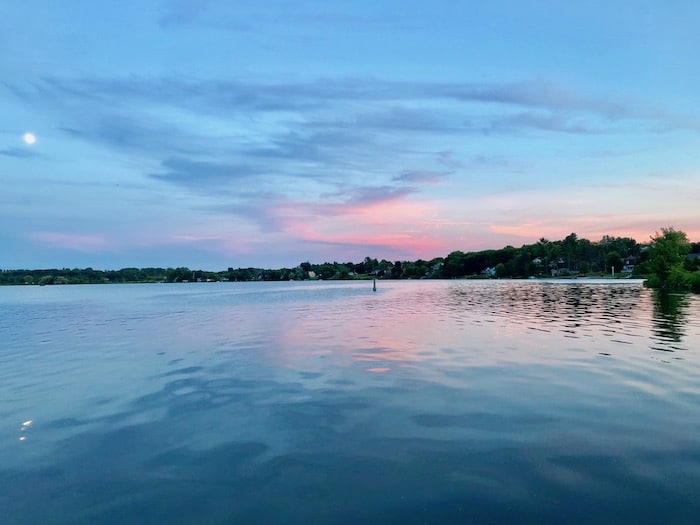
[396, 223]
[593, 228]
[71, 241]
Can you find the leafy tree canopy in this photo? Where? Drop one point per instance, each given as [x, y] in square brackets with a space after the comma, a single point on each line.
[667, 256]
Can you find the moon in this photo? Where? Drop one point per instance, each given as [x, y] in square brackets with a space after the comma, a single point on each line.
[29, 138]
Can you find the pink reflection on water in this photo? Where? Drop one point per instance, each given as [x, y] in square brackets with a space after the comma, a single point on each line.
[341, 328]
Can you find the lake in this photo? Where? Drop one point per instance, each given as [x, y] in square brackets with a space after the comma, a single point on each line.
[425, 402]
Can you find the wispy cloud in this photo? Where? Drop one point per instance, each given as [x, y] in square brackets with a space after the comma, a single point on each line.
[20, 153]
[183, 12]
[327, 130]
[210, 176]
[234, 97]
[421, 176]
[77, 242]
[247, 16]
[351, 198]
[545, 122]
[541, 94]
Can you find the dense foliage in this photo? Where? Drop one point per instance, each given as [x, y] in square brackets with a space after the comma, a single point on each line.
[670, 266]
[664, 261]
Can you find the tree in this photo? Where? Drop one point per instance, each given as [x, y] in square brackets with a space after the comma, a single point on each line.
[396, 270]
[501, 270]
[667, 252]
[176, 275]
[570, 246]
[453, 264]
[614, 260]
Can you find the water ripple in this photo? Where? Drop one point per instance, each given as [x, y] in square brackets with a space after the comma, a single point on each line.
[448, 402]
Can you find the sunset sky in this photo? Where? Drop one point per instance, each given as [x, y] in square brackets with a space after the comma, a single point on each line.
[212, 134]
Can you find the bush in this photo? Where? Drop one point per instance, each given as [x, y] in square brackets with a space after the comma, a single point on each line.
[653, 281]
[695, 282]
[679, 279]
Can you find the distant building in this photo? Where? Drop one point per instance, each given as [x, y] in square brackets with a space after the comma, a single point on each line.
[489, 272]
[628, 264]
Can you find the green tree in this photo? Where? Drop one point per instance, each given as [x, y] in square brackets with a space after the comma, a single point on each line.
[667, 252]
[614, 260]
[341, 271]
[174, 275]
[370, 265]
[453, 266]
[501, 270]
[396, 270]
[570, 248]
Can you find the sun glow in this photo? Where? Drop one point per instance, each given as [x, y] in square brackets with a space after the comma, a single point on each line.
[29, 138]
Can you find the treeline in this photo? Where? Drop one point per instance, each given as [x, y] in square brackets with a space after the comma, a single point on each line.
[91, 276]
[568, 257]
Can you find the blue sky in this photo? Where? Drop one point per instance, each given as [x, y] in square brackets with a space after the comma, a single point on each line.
[212, 134]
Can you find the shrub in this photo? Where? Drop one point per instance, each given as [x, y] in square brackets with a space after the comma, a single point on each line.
[679, 279]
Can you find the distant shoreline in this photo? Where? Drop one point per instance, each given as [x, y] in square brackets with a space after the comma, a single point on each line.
[596, 279]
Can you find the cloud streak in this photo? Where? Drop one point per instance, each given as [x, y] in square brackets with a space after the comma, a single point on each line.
[20, 153]
[210, 176]
[71, 241]
[233, 97]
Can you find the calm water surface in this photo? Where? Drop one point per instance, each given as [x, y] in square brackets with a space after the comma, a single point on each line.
[424, 402]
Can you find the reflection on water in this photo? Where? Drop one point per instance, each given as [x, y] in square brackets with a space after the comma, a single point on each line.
[425, 402]
[670, 317]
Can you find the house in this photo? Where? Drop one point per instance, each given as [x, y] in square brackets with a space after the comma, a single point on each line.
[489, 272]
[558, 267]
[628, 264]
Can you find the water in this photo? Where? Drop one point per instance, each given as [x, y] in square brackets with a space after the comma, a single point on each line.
[424, 402]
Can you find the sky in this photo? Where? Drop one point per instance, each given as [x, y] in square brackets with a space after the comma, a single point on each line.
[216, 134]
